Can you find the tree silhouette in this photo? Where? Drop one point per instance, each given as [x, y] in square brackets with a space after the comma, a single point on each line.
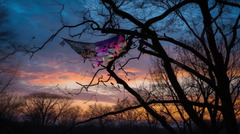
[70, 116]
[44, 109]
[96, 111]
[206, 30]
[129, 118]
[9, 106]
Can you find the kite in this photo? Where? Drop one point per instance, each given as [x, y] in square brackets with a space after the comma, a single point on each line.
[102, 51]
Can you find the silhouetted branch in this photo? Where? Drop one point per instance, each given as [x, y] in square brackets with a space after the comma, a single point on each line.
[9, 81]
[228, 3]
[167, 12]
[93, 78]
[123, 14]
[131, 108]
[55, 34]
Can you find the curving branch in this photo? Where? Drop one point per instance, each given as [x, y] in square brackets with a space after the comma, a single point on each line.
[56, 33]
[183, 66]
[232, 43]
[93, 78]
[192, 50]
[228, 3]
[167, 12]
[136, 107]
[123, 14]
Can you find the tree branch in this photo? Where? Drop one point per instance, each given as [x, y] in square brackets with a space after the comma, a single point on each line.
[123, 14]
[231, 44]
[192, 50]
[228, 3]
[56, 33]
[167, 12]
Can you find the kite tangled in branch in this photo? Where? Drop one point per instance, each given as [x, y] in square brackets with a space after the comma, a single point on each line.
[102, 51]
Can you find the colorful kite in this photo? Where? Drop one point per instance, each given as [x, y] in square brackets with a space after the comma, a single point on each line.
[102, 51]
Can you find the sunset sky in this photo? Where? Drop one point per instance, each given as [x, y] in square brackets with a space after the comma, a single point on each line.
[59, 67]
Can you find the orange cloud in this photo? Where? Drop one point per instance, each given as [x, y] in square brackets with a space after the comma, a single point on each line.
[54, 78]
[69, 79]
[132, 70]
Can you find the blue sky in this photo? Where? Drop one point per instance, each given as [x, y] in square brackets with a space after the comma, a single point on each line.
[56, 66]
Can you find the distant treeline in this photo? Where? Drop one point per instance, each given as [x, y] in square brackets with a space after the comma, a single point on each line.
[40, 113]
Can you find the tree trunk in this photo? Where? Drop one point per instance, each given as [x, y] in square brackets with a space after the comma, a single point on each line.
[227, 106]
[220, 71]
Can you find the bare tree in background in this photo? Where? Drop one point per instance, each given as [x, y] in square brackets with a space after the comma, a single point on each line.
[130, 118]
[45, 109]
[206, 29]
[9, 106]
[70, 116]
[195, 89]
[98, 110]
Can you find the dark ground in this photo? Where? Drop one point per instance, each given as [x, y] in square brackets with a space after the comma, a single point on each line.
[11, 127]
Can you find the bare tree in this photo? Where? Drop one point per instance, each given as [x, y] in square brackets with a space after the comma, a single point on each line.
[128, 118]
[98, 110]
[9, 106]
[213, 28]
[196, 90]
[45, 109]
[70, 116]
